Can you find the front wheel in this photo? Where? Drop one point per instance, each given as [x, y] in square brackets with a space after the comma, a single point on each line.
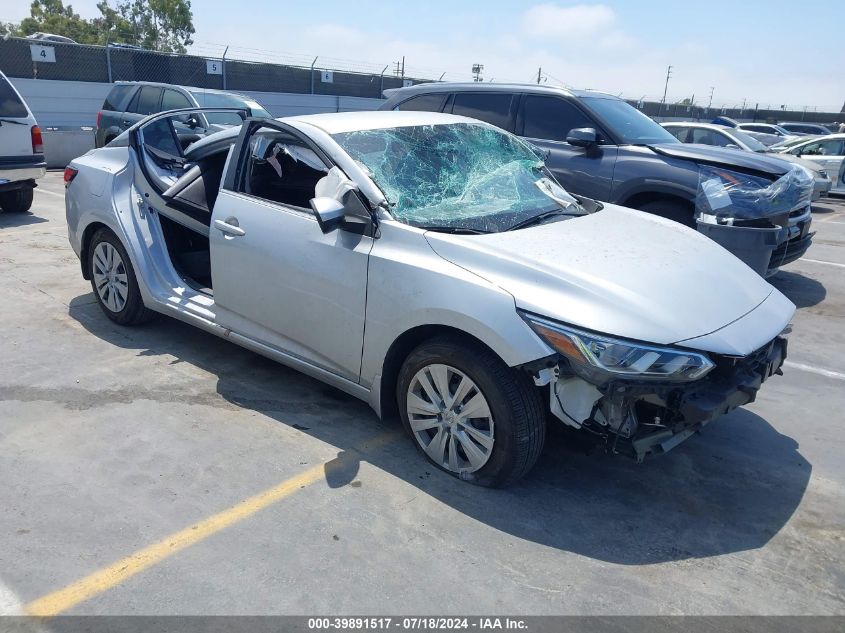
[113, 280]
[469, 413]
[16, 201]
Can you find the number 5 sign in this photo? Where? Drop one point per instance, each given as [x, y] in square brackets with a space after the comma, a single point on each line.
[213, 67]
[42, 53]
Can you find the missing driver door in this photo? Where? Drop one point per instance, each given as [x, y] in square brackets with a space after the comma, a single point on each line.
[277, 278]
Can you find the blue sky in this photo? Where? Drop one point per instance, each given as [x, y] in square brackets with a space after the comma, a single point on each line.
[750, 49]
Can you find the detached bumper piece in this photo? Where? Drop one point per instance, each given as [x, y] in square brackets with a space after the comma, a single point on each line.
[733, 383]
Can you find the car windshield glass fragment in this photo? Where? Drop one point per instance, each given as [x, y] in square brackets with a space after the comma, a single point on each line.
[626, 122]
[460, 175]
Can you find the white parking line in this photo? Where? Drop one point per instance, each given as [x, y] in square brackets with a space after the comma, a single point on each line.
[818, 261]
[9, 603]
[829, 373]
[52, 193]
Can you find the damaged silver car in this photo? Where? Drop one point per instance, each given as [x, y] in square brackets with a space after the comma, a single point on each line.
[432, 266]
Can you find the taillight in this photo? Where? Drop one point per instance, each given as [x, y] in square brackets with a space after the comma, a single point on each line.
[37, 143]
[70, 174]
[99, 114]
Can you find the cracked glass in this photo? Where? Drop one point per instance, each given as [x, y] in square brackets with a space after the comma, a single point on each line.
[456, 175]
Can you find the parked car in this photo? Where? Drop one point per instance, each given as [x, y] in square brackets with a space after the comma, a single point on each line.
[430, 265]
[21, 150]
[130, 101]
[828, 152]
[601, 147]
[802, 129]
[767, 128]
[721, 136]
[51, 37]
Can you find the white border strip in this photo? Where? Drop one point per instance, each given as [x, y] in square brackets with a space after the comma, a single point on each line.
[818, 261]
[816, 370]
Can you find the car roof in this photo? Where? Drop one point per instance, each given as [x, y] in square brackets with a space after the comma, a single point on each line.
[709, 126]
[191, 89]
[338, 122]
[425, 88]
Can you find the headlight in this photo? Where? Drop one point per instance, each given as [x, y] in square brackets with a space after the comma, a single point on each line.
[618, 357]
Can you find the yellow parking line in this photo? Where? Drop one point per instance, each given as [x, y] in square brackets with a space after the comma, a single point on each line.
[111, 576]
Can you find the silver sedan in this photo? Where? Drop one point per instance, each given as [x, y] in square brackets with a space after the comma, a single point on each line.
[430, 265]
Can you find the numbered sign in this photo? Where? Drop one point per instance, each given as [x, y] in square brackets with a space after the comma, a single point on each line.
[407, 83]
[213, 67]
[327, 76]
[43, 53]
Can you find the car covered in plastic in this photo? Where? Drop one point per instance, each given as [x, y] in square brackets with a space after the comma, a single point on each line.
[432, 266]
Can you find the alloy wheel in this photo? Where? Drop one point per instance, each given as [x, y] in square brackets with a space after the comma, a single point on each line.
[450, 418]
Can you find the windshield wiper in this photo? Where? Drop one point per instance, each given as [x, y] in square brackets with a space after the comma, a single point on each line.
[455, 230]
[538, 219]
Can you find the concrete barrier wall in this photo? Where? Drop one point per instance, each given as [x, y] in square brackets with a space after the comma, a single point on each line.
[67, 111]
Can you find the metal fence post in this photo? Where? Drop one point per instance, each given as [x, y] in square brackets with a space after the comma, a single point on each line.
[381, 83]
[312, 75]
[223, 67]
[108, 60]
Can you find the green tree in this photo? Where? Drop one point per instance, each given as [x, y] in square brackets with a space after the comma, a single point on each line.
[51, 16]
[163, 25]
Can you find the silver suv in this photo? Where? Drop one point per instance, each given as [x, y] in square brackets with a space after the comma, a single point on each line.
[599, 146]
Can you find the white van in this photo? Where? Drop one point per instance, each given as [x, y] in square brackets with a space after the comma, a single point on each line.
[21, 150]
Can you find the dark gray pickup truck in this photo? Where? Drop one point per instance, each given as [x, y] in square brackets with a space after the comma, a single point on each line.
[600, 147]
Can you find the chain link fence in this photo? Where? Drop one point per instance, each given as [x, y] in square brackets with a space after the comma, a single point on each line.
[30, 59]
[244, 69]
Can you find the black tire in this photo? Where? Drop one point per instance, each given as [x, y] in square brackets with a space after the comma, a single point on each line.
[133, 311]
[681, 212]
[514, 402]
[17, 201]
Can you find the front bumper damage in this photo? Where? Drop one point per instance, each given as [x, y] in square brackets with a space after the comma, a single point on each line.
[640, 417]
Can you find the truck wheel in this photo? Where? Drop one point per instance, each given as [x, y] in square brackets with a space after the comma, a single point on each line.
[16, 201]
[676, 210]
[469, 413]
[113, 280]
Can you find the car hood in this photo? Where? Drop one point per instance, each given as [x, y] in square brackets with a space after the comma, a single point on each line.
[617, 271]
[723, 157]
[813, 167]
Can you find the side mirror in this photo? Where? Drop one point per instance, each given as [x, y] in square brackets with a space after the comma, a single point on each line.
[329, 213]
[582, 137]
[193, 121]
[732, 146]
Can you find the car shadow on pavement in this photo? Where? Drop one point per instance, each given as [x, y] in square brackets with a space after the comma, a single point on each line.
[803, 291]
[729, 489]
[12, 220]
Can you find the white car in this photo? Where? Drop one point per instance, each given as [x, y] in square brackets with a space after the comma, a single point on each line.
[430, 265]
[828, 152]
[730, 137]
[767, 128]
[21, 150]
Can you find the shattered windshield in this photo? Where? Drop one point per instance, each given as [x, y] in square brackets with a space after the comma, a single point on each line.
[457, 176]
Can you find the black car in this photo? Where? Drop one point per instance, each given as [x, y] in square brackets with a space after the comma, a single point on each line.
[600, 147]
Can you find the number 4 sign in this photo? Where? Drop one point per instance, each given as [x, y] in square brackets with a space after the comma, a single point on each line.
[42, 53]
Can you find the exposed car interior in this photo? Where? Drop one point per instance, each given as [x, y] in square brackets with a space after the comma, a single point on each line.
[280, 168]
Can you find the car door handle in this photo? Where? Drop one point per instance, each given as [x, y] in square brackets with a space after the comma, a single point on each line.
[229, 226]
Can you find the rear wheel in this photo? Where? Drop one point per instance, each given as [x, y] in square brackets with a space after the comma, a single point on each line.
[469, 413]
[676, 210]
[16, 201]
[113, 280]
